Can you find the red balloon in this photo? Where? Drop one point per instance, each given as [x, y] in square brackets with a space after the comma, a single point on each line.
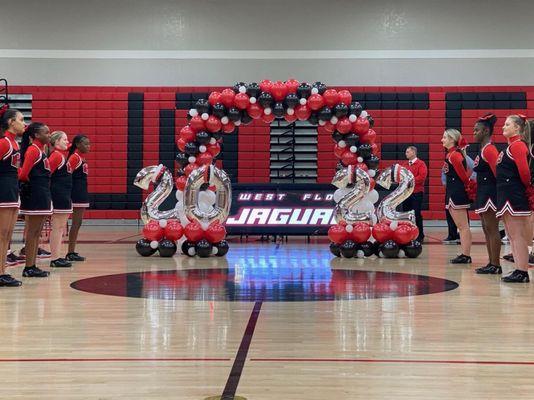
[229, 127]
[214, 149]
[279, 90]
[331, 98]
[362, 166]
[349, 158]
[213, 124]
[290, 118]
[187, 133]
[337, 234]
[292, 85]
[344, 125]
[382, 232]
[180, 182]
[315, 102]
[374, 149]
[268, 118]
[361, 232]
[197, 124]
[214, 98]
[329, 127]
[345, 97]
[403, 234]
[193, 232]
[227, 97]
[190, 168]
[180, 143]
[173, 230]
[152, 231]
[215, 232]
[241, 101]
[339, 151]
[265, 85]
[303, 112]
[361, 125]
[205, 158]
[254, 110]
[369, 137]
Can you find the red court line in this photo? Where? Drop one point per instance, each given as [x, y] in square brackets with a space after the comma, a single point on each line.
[377, 361]
[9, 360]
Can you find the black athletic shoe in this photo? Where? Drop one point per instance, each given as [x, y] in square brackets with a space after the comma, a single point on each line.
[12, 259]
[74, 257]
[60, 263]
[461, 259]
[34, 272]
[489, 269]
[508, 257]
[41, 253]
[517, 276]
[450, 240]
[9, 281]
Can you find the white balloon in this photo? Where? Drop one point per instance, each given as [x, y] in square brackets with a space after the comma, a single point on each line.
[193, 112]
[252, 100]
[372, 196]
[267, 111]
[349, 228]
[154, 244]
[322, 123]
[163, 223]
[213, 140]
[303, 101]
[224, 120]
[374, 220]
[402, 254]
[342, 143]
[242, 89]
[334, 120]
[202, 149]
[179, 195]
[214, 250]
[353, 149]
[360, 254]
[314, 90]
[352, 118]
[371, 173]
[191, 251]
[290, 111]
[205, 116]
[364, 114]
[237, 123]
[381, 255]
[340, 193]
[192, 159]
[360, 159]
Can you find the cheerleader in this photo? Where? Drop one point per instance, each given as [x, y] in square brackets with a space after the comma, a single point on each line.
[61, 188]
[456, 197]
[35, 196]
[513, 180]
[11, 126]
[486, 198]
[80, 197]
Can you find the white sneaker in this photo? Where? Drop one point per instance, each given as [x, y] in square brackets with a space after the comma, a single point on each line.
[505, 240]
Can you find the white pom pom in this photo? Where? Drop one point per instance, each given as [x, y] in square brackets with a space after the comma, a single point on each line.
[224, 120]
[322, 123]
[360, 254]
[214, 250]
[353, 149]
[352, 118]
[252, 100]
[334, 120]
[191, 251]
[205, 116]
[213, 140]
[268, 111]
[193, 112]
[192, 159]
[342, 143]
[402, 254]
[290, 111]
[394, 225]
[371, 173]
[364, 114]
[202, 149]
[154, 244]
[242, 89]
[349, 228]
[360, 159]
[163, 223]
[314, 90]
[303, 101]
[237, 123]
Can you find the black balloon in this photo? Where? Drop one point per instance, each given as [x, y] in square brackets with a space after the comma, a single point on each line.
[143, 248]
[180, 172]
[334, 249]
[245, 118]
[202, 106]
[219, 110]
[336, 136]
[265, 99]
[237, 85]
[222, 248]
[186, 246]
[203, 248]
[413, 249]
[325, 113]
[166, 248]
[234, 114]
[352, 139]
[320, 86]
[348, 249]
[279, 110]
[365, 151]
[339, 166]
[191, 148]
[292, 100]
[182, 159]
[304, 90]
[390, 249]
[253, 89]
[367, 248]
[203, 137]
[377, 247]
[371, 121]
[341, 110]
[216, 135]
[372, 162]
[314, 119]
[355, 108]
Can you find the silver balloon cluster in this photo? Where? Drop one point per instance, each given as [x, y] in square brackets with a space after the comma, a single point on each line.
[406, 181]
[357, 182]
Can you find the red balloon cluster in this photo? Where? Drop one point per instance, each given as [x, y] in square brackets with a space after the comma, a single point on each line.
[153, 231]
[403, 234]
[358, 233]
[213, 234]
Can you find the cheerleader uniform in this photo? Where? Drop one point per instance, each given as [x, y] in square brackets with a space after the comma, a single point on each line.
[61, 182]
[9, 165]
[80, 196]
[35, 197]
[513, 177]
[455, 170]
[485, 167]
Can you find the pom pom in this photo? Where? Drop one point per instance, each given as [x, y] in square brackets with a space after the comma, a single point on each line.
[163, 223]
[193, 112]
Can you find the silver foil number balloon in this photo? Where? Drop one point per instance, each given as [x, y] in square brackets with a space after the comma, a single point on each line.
[211, 175]
[359, 182]
[150, 208]
[387, 207]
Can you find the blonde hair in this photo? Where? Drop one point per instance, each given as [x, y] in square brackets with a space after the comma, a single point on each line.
[455, 135]
[55, 136]
[524, 128]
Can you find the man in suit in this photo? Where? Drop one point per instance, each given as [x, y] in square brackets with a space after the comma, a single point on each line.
[420, 171]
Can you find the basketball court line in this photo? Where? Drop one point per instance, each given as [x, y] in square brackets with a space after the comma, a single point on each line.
[389, 361]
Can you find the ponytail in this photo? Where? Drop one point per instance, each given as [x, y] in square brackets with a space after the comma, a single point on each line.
[75, 142]
[488, 121]
[459, 141]
[524, 128]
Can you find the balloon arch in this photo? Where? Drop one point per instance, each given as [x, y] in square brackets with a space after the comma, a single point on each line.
[204, 191]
